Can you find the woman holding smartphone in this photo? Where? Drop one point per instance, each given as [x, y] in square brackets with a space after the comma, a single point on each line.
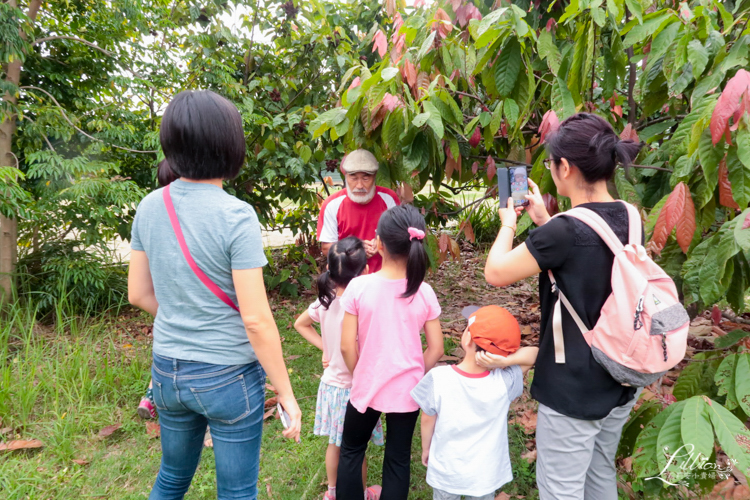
[196, 265]
[581, 407]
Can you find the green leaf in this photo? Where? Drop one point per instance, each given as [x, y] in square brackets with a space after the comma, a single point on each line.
[724, 379]
[732, 435]
[420, 119]
[730, 339]
[392, 129]
[689, 383]
[497, 118]
[562, 100]
[507, 67]
[511, 112]
[637, 421]
[305, 153]
[739, 177]
[640, 32]
[574, 73]
[712, 286]
[547, 49]
[426, 46]
[742, 382]
[696, 428]
[710, 156]
[469, 129]
[670, 438]
[663, 40]
[389, 73]
[434, 121]
[743, 148]
[698, 57]
[625, 189]
[644, 460]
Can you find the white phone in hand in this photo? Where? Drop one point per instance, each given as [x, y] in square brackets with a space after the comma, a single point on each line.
[286, 420]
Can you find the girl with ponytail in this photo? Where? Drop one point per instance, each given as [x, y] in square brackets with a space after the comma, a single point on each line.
[582, 408]
[382, 347]
[347, 259]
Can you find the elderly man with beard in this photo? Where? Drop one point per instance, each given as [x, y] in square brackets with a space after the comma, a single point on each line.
[356, 209]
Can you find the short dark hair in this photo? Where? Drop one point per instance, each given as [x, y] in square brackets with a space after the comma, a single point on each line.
[201, 135]
[346, 260]
[590, 144]
[164, 174]
[393, 230]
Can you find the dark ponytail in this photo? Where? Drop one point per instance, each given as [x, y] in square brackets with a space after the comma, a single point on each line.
[393, 230]
[590, 144]
[347, 259]
[164, 174]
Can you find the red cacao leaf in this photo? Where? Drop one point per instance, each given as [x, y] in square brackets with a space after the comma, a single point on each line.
[418, 3]
[355, 83]
[455, 4]
[271, 402]
[551, 25]
[475, 138]
[444, 24]
[668, 217]
[443, 242]
[405, 193]
[469, 232]
[491, 168]
[725, 187]
[390, 7]
[466, 13]
[686, 223]
[475, 168]
[550, 203]
[380, 43]
[398, 21]
[744, 108]
[455, 249]
[109, 430]
[629, 133]
[728, 104]
[716, 315]
[450, 167]
[550, 124]
[398, 46]
[20, 444]
[409, 73]
[153, 429]
[617, 110]
[423, 83]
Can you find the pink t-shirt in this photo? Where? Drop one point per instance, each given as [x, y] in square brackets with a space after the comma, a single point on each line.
[391, 361]
[337, 374]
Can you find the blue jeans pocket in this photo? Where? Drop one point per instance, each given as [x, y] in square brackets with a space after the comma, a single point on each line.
[158, 396]
[226, 402]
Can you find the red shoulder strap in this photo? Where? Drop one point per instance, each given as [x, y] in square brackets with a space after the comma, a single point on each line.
[189, 258]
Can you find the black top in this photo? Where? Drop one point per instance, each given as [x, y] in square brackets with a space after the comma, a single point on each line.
[582, 265]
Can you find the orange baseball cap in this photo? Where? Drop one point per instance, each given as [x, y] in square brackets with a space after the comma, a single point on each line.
[493, 328]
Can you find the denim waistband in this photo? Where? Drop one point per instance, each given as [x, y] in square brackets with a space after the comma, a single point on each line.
[192, 370]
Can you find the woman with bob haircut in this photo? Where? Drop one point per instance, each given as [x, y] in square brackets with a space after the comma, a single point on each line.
[582, 408]
[210, 354]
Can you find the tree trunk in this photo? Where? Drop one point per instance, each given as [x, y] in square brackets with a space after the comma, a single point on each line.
[9, 226]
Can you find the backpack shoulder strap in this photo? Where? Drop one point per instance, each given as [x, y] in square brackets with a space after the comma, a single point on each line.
[189, 258]
[599, 225]
[635, 224]
[557, 326]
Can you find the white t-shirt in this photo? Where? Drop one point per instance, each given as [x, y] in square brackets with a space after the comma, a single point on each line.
[469, 450]
[337, 374]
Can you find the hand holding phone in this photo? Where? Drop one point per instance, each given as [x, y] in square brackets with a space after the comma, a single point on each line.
[283, 416]
[519, 186]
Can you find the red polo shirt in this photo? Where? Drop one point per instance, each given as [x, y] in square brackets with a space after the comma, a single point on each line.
[341, 217]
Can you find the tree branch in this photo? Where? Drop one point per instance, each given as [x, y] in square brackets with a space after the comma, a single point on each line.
[75, 39]
[250, 48]
[659, 120]
[650, 167]
[472, 96]
[46, 139]
[504, 160]
[478, 200]
[70, 122]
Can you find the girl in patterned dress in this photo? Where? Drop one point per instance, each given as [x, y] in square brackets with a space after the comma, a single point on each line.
[347, 259]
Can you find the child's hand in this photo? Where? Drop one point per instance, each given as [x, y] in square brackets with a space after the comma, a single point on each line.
[491, 361]
[425, 456]
[325, 361]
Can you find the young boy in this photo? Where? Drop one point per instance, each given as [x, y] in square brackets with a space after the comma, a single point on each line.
[465, 408]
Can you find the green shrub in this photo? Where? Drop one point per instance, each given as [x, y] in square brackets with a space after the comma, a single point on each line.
[79, 281]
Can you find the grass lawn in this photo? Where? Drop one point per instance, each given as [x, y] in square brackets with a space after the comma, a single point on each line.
[64, 384]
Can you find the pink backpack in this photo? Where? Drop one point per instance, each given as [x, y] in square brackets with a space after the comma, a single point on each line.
[642, 330]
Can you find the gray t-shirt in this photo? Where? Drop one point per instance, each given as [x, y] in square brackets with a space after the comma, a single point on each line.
[222, 234]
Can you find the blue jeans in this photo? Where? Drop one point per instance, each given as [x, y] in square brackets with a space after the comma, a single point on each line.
[190, 395]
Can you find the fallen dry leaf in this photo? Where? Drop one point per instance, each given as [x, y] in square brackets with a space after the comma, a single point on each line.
[153, 429]
[527, 419]
[107, 431]
[80, 461]
[627, 464]
[5, 430]
[271, 388]
[269, 413]
[268, 490]
[502, 496]
[271, 402]
[20, 444]
[530, 455]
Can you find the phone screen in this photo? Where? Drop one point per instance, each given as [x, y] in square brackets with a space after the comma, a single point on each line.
[519, 186]
[503, 186]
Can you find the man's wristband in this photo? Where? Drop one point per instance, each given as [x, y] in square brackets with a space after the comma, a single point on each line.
[512, 227]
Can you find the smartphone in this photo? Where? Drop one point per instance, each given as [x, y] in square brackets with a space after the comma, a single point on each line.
[503, 186]
[519, 186]
[286, 421]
